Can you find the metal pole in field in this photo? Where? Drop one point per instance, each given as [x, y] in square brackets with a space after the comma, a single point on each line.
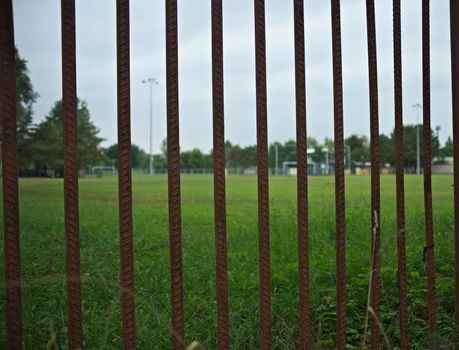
[326, 159]
[304, 322]
[418, 106]
[218, 118]
[262, 175]
[276, 147]
[173, 177]
[427, 167]
[12, 296]
[454, 15]
[69, 124]
[340, 217]
[399, 175]
[348, 148]
[124, 175]
[151, 82]
[375, 295]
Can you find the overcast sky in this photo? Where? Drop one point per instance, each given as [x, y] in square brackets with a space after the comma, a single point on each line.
[37, 33]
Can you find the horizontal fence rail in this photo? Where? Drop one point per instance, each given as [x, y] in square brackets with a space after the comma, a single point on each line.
[13, 307]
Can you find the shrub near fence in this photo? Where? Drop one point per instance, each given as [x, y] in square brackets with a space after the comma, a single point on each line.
[74, 302]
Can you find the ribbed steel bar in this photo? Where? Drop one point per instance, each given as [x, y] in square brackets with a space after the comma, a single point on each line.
[13, 319]
[124, 175]
[399, 175]
[173, 170]
[223, 341]
[339, 176]
[454, 37]
[302, 178]
[375, 181]
[427, 155]
[69, 120]
[262, 174]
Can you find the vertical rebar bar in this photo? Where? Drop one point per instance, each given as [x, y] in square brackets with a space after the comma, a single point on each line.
[69, 121]
[302, 177]
[219, 176]
[399, 175]
[454, 37]
[13, 318]
[427, 153]
[375, 181]
[339, 176]
[173, 170]
[124, 175]
[262, 175]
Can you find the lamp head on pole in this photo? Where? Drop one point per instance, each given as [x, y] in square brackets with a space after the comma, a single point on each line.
[151, 81]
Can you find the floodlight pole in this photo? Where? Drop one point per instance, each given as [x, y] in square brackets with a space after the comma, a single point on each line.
[348, 148]
[276, 148]
[151, 82]
[418, 106]
[326, 159]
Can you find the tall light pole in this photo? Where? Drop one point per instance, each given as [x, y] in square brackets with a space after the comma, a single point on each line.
[418, 106]
[348, 148]
[276, 149]
[326, 159]
[151, 82]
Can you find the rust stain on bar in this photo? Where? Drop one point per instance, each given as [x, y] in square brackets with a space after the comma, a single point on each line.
[427, 155]
[375, 181]
[69, 120]
[223, 341]
[302, 178]
[399, 175]
[339, 176]
[262, 176]
[13, 318]
[124, 175]
[454, 23]
[173, 170]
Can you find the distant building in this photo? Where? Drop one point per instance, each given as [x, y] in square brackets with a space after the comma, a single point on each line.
[445, 168]
[361, 168]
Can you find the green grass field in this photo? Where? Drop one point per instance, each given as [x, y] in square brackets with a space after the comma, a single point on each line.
[42, 247]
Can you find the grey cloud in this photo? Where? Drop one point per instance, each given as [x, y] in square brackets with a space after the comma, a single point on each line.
[38, 39]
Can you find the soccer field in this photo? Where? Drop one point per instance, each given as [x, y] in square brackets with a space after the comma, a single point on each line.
[43, 268]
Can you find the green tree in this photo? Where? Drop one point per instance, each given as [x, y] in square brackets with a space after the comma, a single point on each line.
[25, 98]
[447, 149]
[409, 145]
[45, 150]
[312, 142]
[46, 142]
[360, 148]
[386, 150]
[195, 159]
[248, 156]
[139, 159]
[233, 155]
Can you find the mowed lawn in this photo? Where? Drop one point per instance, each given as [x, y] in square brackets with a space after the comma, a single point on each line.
[43, 261]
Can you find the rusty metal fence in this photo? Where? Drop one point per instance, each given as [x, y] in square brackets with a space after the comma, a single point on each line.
[74, 302]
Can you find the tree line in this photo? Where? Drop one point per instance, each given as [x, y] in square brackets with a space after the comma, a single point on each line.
[40, 146]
